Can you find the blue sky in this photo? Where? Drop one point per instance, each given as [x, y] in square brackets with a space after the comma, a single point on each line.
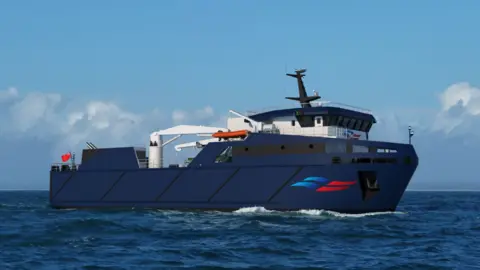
[136, 64]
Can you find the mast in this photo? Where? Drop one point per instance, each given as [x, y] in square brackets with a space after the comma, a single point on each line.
[302, 93]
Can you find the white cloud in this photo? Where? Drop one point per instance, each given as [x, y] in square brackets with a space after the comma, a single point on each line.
[461, 93]
[179, 116]
[205, 114]
[43, 115]
[33, 110]
[48, 117]
[460, 109]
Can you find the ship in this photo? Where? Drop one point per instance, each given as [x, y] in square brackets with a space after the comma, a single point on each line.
[313, 155]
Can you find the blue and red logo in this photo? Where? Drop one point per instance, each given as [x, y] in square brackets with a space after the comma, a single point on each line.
[322, 184]
[351, 135]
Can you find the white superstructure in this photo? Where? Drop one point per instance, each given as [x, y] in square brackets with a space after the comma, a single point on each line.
[289, 125]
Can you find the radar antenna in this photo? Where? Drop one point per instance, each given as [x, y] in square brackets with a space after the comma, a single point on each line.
[302, 93]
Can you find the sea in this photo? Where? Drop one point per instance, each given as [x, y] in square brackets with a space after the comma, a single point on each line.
[429, 230]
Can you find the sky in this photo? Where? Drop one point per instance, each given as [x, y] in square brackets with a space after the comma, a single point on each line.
[111, 72]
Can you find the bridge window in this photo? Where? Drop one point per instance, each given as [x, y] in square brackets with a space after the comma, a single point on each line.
[332, 120]
[365, 125]
[326, 121]
[351, 124]
[338, 122]
[358, 124]
[345, 122]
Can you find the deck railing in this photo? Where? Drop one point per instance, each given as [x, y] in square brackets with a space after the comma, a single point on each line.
[63, 167]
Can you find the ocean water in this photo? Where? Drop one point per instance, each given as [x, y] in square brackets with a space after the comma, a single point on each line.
[431, 230]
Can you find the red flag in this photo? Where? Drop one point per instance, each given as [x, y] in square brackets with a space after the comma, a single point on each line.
[66, 157]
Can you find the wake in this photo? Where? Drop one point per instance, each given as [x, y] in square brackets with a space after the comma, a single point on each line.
[258, 210]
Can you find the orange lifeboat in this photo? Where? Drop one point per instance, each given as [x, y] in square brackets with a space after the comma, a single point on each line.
[230, 134]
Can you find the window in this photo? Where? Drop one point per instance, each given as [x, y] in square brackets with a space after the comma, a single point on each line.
[338, 122]
[318, 120]
[369, 126]
[365, 126]
[225, 156]
[336, 160]
[293, 123]
[336, 147]
[352, 123]
[358, 124]
[141, 154]
[345, 122]
[386, 150]
[359, 149]
[326, 121]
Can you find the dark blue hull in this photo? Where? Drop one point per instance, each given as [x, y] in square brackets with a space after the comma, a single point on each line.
[224, 189]
[230, 186]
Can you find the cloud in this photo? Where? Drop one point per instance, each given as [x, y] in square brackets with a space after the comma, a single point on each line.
[461, 93]
[205, 114]
[460, 110]
[48, 117]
